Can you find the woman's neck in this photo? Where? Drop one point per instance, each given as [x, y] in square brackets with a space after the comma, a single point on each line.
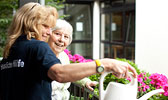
[57, 54]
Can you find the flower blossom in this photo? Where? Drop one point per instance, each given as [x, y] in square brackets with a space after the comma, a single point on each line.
[158, 80]
[76, 58]
[165, 87]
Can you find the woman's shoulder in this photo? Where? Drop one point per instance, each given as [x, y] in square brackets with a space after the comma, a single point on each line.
[38, 44]
[32, 42]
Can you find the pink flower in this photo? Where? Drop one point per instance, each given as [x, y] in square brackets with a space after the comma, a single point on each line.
[159, 81]
[139, 89]
[140, 80]
[69, 54]
[152, 82]
[78, 58]
[145, 87]
[67, 51]
[70, 57]
[145, 78]
[140, 75]
[89, 60]
[129, 79]
[165, 87]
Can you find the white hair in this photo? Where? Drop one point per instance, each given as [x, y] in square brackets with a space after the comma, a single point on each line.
[63, 24]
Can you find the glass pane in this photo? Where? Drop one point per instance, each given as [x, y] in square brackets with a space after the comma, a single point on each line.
[116, 27]
[111, 3]
[130, 22]
[130, 1]
[80, 20]
[105, 27]
[130, 53]
[84, 49]
[117, 51]
[106, 50]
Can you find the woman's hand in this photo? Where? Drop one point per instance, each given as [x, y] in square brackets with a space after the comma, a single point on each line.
[119, 68]
[89, 84]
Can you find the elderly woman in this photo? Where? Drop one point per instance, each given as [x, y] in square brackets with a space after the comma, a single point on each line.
[60, 38]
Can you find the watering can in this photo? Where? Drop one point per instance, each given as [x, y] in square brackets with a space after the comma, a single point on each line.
[118, 91]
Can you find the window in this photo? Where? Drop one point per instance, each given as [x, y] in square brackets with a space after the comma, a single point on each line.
[118, 30]
[80, 19]
[84, 49]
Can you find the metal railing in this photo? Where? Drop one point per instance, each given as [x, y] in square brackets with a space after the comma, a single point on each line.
[78, 92]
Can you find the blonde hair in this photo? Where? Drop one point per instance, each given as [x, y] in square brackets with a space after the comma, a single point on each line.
[63, 24]
[28, 20]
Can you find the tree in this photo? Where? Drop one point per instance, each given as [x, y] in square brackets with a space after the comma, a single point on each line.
[7, 8]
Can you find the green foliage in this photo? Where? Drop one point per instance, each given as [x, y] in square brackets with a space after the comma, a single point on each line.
[76, 98]
[110, 77]
[146, 80]
[59, 5]
[131, 63]
[6, 13]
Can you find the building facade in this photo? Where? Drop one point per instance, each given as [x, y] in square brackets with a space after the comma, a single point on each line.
[102, 28]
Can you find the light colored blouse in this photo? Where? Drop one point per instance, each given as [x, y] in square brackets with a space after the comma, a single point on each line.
[60, 90]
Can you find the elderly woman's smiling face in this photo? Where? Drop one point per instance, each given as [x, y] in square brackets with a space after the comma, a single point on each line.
[59, 40]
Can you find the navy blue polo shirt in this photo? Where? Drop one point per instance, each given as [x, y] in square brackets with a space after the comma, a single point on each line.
[24, 72]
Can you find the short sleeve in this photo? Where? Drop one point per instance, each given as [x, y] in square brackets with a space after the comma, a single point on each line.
[45, 57]
[45, 54]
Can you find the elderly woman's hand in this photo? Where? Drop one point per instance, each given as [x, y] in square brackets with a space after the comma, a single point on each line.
[89, 84]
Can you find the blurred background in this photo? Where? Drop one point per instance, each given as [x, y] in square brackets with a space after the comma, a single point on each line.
[130, 29]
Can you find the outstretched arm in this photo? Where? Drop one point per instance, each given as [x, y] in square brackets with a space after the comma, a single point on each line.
[77, 71]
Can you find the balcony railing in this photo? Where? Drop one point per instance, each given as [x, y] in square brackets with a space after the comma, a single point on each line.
[81, 93]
